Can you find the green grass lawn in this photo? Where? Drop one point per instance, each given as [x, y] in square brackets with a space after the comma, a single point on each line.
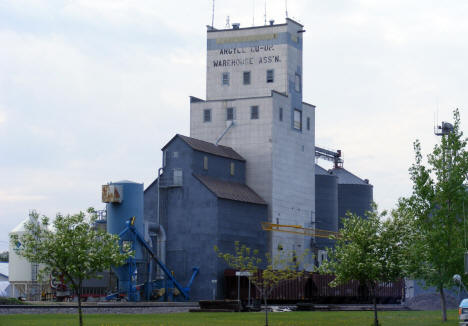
[315, 318]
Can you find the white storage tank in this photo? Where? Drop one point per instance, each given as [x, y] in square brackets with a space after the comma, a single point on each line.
[19, 269]
[22, 274]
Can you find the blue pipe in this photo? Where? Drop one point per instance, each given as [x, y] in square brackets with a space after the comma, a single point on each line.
[184, 290]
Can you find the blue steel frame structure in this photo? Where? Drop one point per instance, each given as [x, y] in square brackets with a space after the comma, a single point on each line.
[133, 288]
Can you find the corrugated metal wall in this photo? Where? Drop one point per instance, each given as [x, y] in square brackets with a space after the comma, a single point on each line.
[326, 204]
[354, 194]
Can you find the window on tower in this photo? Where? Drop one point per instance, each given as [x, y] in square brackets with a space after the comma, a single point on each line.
[280, 114]
[308, 123]
[297, 119]
[254, 112]
[229, 114]
[297, 83]
[246, 77]
[207, 115]
[225, 78]
[270, 75]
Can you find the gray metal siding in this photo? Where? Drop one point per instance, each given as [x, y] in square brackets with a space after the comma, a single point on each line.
[218, 167]
[150, 203]
[195, 220]
[326, 206]
[241, 222]
[191, 235]
[354, 198]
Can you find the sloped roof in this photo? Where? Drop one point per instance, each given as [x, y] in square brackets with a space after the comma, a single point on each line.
[320, 171]
[20, 227]
[346, 177]
[230, 190]
[207, 147]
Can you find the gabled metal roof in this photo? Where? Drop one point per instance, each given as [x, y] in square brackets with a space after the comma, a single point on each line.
[210, 148]
[321, 171]
[230, 190]
[346, 177]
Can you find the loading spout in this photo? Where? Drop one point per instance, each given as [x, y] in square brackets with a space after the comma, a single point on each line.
[224, 132]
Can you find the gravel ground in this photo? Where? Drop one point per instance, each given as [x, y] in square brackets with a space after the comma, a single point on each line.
[94, 310]
[431, 301]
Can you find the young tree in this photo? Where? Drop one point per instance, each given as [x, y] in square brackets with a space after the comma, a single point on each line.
[367, 250]
[72, 246]
[266, 273]
[436, 209]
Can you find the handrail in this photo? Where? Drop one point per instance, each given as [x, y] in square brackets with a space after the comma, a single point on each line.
[298, 229]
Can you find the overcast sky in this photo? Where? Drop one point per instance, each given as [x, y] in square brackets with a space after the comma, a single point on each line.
[90, 90]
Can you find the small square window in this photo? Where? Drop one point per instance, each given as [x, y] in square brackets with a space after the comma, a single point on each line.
[232, 168]
[254, 112]
[297, 83]
[297, 119]
[246, 77]
[229, 114]
[270, 75]
[207, 115]
[175, 154]
[225, 78]
[205, 162]
[308, 123]
[280, 114]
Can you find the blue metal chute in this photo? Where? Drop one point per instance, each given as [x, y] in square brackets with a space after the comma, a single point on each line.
[195, 271]
[185, 291]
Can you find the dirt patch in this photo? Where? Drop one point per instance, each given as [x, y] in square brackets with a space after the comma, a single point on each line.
[431, 301]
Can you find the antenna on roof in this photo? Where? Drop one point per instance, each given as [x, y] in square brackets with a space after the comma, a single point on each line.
[228, 24]
[286, 5]
[265, 12]
[253, 12]
[212, 15]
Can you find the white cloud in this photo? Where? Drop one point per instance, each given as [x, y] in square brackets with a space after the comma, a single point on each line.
[19, 198]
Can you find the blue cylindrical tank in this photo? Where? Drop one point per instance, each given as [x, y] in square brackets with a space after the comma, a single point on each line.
[130, 206]
[124, 201]
[326, 203]
[354, 194]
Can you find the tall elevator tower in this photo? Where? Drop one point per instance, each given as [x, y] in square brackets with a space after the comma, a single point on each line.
[254, 105]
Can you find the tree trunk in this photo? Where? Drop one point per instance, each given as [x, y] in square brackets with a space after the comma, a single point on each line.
[444, 304]
[266, 310]
[80, 314]
[376, 320]
[374, 301]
